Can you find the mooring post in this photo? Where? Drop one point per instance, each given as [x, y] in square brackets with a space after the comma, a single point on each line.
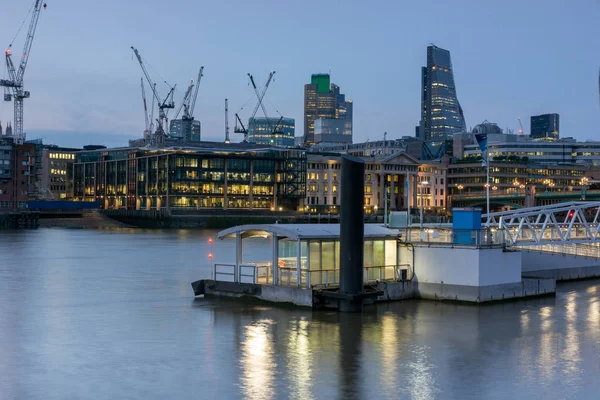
[352, 230]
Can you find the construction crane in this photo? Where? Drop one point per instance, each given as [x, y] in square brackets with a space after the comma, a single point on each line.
[147, 130]
[226, 122]
[260, 96]
[166, 104]
[521, 132]
[184, 102]
[13, 87]
[195, 96]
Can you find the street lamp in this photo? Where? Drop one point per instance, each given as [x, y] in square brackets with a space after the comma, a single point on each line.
[460, 188]
[423, 183]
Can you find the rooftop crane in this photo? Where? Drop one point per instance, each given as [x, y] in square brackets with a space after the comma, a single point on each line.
[226, 122]
[147, 131]
[163, 105]
[521, 132]
[13, 87]
[184, 102]
[260, 96]
[193, 105]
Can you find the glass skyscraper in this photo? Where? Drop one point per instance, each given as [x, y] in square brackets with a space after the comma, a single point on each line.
[266, 131]
[545, 126]
[323, 100]
[441, 114]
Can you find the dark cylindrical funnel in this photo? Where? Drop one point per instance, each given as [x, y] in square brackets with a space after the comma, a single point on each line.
[352, 231]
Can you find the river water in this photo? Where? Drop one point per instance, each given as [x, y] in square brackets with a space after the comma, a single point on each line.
[110, 314]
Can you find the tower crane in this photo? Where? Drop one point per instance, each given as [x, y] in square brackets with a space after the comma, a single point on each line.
[184, 102]
[260, 96]
[163, 105]
[193, 104]
[13, 87]
[521, 132]
[147, 131]
[226, 122]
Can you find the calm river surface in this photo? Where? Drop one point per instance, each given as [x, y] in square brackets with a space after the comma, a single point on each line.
[110, 314]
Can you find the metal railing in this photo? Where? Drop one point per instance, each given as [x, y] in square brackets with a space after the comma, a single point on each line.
[247, 273]
[288, 276]
[575, 249]
[262, 274]
[224, 272]
[470, 237]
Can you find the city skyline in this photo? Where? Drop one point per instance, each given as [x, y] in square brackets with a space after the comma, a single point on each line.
[84, 82]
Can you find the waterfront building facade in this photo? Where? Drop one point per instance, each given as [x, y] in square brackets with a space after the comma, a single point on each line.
[391, 177]
[517, 184]
[323, 100]
[272, 131]
[545, 127]
[17, 173]
[218, 176]
[57, 170]
[519, 148]
[432, 188]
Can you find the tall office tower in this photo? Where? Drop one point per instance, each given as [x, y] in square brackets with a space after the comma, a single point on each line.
[545, 126]
[272, 131]
[441, 114]
[323, 100]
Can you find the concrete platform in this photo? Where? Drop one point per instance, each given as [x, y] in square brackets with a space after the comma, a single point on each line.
[562, 267]
[390, 291]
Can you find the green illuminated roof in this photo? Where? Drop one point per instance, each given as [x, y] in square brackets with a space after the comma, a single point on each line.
[322, 81]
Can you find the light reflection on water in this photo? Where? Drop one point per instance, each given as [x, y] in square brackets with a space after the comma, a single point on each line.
[110, 314]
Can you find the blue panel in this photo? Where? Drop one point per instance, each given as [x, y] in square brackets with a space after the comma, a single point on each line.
[466, 223]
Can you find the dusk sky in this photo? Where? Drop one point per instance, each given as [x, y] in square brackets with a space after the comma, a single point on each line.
[510, 59]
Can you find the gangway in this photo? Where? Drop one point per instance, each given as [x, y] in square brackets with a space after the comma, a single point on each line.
[571, 222]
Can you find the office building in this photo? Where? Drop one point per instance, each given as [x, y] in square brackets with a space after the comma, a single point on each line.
[184, 130]
[207, 176]
[272, 131]
[545, 127]
[441, 113]
[17, 173]
[57, 170]
[328, 130]
[406, 144]
[390, 178]
[323, 100]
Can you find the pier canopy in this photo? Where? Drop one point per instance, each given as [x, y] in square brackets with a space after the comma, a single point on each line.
[306, 255]
[303, 231]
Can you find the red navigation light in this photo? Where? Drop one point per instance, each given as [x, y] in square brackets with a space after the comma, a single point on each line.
[209, 240]
[7, 52]
[210, 255]
[571, 214]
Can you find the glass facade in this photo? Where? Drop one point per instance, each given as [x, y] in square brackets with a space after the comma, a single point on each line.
[271, 131]
[188, 179]
[545, 126]
[441, 114]
[326, 104]
[185, 130]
